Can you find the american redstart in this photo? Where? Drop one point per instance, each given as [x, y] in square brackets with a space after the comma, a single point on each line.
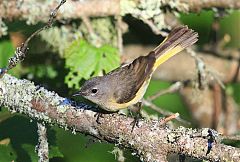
[126, 85]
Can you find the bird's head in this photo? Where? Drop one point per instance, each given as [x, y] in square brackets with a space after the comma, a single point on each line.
[95, 90]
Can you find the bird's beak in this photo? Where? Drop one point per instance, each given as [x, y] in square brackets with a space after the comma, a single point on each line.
[79, 93]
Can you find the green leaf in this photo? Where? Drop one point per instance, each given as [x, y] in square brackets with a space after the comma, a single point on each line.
[85, 60]
[7, 153]
[30, 149]
[6, 51]
[4, 115]
[54, 152]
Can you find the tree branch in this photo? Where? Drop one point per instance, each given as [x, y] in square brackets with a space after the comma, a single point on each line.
[197, 6]
[35, 11]
[11, 9]
[151, 140]
[42, 147]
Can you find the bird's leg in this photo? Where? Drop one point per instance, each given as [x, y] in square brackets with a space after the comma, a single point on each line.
[98, 115]
[100, 112]
[136, 109]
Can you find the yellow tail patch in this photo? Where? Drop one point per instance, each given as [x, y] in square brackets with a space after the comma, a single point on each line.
[167, 55]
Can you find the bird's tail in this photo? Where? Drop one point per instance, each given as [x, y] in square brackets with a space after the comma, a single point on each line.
[178, 39]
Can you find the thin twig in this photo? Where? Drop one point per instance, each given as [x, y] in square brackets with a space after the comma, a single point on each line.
[94, 38]
[42, 147]
[154, 27]
[155, 108]
[233, 138]
[167, 119]
[161, 111]
[21, 51]
[119, 34]
[217, 105]
[172, 89]
[216, 78]
[201, 69]
[204, 73]
[88, 25]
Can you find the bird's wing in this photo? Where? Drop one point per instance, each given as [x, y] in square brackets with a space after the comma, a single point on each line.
[131, 77]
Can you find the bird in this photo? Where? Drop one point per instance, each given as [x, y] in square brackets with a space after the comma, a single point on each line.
[126, 85]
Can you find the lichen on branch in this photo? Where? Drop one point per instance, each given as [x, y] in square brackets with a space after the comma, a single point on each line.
[151, 141]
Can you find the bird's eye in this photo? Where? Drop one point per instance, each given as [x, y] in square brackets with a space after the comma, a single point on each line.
[94, 90]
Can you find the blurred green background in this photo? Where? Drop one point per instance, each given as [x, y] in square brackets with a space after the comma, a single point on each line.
[50, 70]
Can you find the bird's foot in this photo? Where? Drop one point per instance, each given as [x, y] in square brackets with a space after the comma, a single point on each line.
[136, 109]
[98, 115]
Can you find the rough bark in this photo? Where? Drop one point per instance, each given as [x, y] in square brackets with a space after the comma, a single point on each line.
[152, 141]
[35, 11]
